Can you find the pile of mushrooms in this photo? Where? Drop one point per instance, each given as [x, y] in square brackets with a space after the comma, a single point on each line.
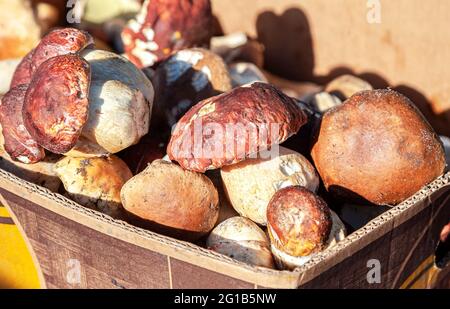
[68, 98]
[83, 116]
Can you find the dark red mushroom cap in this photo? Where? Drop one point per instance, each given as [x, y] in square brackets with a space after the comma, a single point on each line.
[60, 42]
[18, 143]
[260, 114]
[57, 42]
[56, 103]
[22, 75]
[165, 26]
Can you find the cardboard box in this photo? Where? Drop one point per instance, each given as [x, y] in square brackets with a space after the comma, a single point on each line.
[78, 247]
[314, 40]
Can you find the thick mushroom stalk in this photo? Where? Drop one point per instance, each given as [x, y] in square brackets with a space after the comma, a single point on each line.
[120, 104]
[241, 239]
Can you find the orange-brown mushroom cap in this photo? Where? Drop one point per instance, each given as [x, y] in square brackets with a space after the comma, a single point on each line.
[56, 103]
[377, 147]
[299, 221]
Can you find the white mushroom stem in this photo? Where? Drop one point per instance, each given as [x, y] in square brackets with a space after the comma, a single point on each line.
[120, 104]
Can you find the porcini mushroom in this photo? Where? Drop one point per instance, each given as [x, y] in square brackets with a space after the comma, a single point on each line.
[300, 224]
[95, 182]
[378, 148]
[120, 103]
[163, 27]
[171, 200]
[233, 126]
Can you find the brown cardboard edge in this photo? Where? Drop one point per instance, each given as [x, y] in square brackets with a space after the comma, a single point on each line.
[213, 261]
[40, 274]
[437, 212]
[181, 250]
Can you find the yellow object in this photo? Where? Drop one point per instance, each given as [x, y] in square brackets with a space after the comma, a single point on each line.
[17, 269]
[424, 277]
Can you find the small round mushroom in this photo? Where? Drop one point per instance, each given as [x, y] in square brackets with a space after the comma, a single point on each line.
[95, 182]
[187, 77]
[163, 27]
[347, 85]
[250, 184]
[300, 224]
[172, 201]
[243, 240]
[378, 148]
